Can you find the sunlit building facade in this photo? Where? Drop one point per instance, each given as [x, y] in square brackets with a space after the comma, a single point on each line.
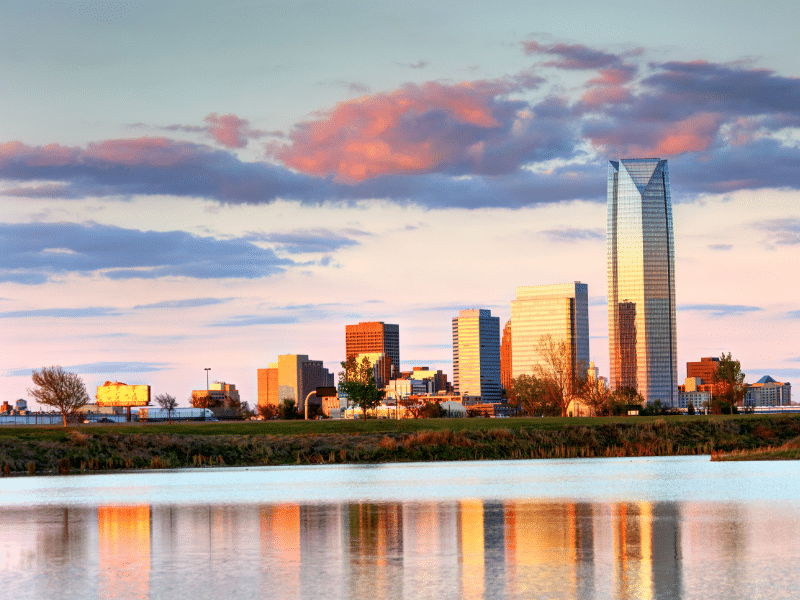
[560, 311]
[374, 336]
[293, 377]
[505, 357]
[476, 354]
[768, 392]
[641, 280]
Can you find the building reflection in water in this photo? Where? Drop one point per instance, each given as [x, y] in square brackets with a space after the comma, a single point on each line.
[123, 535]
[470, 549]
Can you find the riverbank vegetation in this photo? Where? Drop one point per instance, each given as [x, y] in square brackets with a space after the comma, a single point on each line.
[788, 451]
[136, 446]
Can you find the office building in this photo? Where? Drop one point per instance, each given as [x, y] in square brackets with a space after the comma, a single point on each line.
[704, 369]
[641, 280]
[381, 366]
[768, 392]
[435, 381]
[505, 357]
[560, 311]
[699, 397]
[219, 393]
[293, 377]
[374, 336]
[476, 354]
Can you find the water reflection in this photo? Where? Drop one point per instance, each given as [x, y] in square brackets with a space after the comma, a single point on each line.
[471, 549]
[123, 550]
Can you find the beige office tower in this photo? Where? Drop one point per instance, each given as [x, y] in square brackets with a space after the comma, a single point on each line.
[560, 311]
[292, 377]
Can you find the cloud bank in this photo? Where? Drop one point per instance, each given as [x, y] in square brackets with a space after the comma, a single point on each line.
[37, 252]
[511, 141]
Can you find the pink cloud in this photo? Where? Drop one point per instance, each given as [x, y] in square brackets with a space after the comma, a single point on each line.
[692, 134]
[148, 151]
[412, 129]
[601, 96]
[614, 76]
[229, 130]
[50, 155]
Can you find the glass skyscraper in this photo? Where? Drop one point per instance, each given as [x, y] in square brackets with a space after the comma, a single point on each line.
[476, 354]
[641, 280]
[560, 311]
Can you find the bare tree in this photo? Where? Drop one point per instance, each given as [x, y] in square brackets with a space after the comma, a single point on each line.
[558, 371]
[412, 405]
[596, 395]
[59, 389]
[168, 403]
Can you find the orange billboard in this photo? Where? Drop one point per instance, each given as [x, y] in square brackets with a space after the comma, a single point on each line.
[114, 393]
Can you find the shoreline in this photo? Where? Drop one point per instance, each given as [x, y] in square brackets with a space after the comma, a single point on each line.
[71, 450]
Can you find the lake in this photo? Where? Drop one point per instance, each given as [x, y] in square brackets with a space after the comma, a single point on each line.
[665, 527]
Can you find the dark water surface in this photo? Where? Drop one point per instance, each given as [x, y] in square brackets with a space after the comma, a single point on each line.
[590, 528]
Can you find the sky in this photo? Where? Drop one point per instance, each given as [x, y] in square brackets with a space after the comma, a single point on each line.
[211, 184]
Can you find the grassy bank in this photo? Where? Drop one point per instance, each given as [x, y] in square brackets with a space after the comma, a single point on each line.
[788, 451]
[92, 448]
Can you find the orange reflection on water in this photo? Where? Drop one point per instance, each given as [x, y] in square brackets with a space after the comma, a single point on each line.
[280, 545]
[472, 549]
[124, 551]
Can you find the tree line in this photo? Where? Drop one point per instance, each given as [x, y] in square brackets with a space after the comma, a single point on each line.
[558, 382]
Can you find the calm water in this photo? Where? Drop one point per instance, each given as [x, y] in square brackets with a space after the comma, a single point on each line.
[591, 528]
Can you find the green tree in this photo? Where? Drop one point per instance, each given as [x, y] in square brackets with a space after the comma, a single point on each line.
[621, 399]
[357, 381]
[729, 386]
[432, 410]
[530, 395]
[287, 410]
[168, 403]
[59, 389]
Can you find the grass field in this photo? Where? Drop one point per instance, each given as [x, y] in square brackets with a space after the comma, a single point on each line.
[136, 446]
[329, 426]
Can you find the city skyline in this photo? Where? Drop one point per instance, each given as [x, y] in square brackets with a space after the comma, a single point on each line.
[205, 185]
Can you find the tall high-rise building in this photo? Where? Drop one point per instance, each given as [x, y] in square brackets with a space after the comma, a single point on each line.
[506, 353]
[371, 337]
[560, 311]
[476, 354]
[641, 280]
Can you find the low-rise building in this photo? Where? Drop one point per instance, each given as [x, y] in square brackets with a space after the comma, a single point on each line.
[768, 392]
[292, 377]
[219, 393]
[697, 398]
